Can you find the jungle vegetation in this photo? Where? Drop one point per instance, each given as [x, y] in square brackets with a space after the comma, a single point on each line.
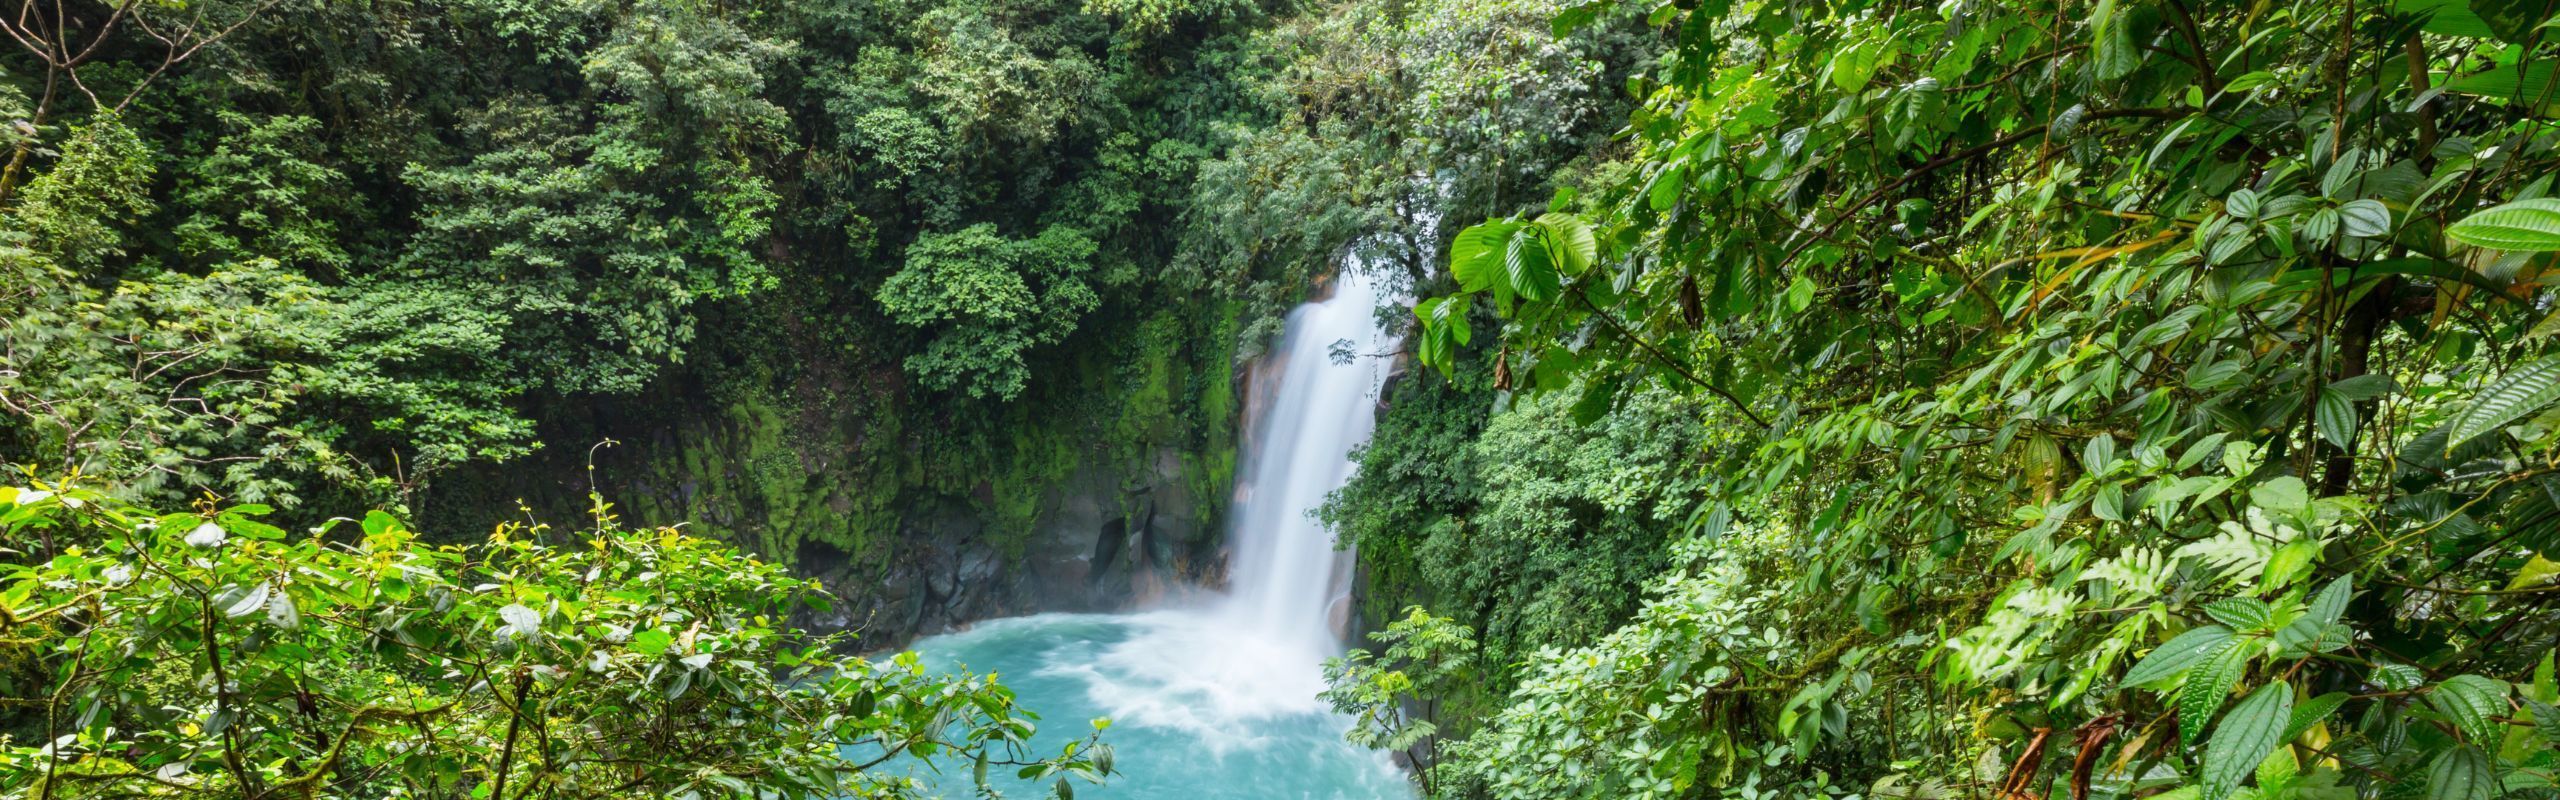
[1809, 398]
[268, 264]
[1997, 399]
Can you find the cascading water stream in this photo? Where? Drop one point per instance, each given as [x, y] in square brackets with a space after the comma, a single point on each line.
[1219, 701]
[1286, 570]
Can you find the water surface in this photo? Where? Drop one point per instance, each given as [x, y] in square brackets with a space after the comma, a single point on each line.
[1199, 708]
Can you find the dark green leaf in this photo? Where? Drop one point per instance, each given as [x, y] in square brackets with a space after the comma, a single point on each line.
[2335, 416]
[2241, 613]
[2245, 737]
[2208, 686]
[2461, 773]
[2471, 702]
[2173, 658]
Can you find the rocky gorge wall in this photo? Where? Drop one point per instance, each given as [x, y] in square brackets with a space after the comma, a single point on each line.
[1100, 493]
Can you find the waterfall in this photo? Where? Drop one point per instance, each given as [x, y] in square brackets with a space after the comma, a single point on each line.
[1286, 571]
[1220, 701]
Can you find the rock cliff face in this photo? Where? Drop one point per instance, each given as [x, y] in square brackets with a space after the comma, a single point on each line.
[1105, 539]
[917, 523]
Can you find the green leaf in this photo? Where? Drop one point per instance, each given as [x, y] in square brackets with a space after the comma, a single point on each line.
[2447, 17]
[1664, 191]
[2471, 703]
[2116, 54]
[2461, 773]
[2208, 687]
[2364, 387]
[2364, 219]
[2513, 20]
[2241, 613]
[2311, 712]
[2524, 225]
[1475, 256]
[2331, 602]
[2283, 493]
[1853, 66]
[1569, 238]
[2521, 391]
[2173, 658]
[2335, 416]
[248, 602]
[2244, 738]
[653, 641]
[1530, 268]
[2099, 455]
[2546, 719]
[2393, 677]
[2242, 204]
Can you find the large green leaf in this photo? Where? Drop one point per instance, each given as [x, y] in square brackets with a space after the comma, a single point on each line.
[1529, 267]
[2181, 652]
[2331, 602]
[1475, 256]
[2461, 773]
[2365, 219]
[2335, 416]
[2471, 703]
[2208, 686]
[2514, 20]
[1570, 242]
[2528, 86]
[2447, 17]
[2521, 391]
[2244, 738]
[2529, 225]
[2241, 613]
[1857, 63]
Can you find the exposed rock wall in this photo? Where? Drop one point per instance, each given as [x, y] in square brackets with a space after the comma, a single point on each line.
[1102, 495]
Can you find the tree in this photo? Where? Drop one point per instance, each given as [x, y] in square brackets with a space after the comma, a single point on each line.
[984, 300]
[1391, 695]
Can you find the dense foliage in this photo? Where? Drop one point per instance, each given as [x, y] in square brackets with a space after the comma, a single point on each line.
[2126, 399]
[207, 654]
[299, 251]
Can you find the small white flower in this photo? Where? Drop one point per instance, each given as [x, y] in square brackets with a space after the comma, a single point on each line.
[207, 535]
